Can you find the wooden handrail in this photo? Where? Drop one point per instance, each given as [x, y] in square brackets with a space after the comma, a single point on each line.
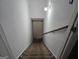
[56, 29]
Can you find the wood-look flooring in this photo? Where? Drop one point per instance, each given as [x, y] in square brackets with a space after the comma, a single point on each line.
[37, 51]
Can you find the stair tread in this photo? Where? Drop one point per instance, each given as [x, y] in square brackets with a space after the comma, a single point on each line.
[37, 51]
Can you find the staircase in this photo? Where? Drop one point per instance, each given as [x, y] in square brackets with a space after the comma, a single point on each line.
[37, 51]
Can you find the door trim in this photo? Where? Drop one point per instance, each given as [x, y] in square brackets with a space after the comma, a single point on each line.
[74, 18]
[36, 20]
[2, 34]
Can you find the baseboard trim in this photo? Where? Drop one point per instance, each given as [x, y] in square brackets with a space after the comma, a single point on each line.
[21, 54]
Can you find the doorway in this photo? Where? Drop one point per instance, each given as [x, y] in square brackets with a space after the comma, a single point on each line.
[37, 28]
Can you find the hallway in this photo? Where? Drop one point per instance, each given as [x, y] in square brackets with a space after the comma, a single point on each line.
[37, 51]
[54, 21]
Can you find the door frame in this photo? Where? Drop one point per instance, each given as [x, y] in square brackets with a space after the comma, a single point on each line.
[5, 42]
[36, 20]
[68, 36]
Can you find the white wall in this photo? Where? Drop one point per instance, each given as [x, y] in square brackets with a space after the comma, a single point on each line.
[3, 51]
[16, 23]
[58, 15]
[37, 8]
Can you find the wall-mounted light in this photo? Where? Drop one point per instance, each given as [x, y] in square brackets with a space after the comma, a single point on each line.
[49, 6]
[45, 9]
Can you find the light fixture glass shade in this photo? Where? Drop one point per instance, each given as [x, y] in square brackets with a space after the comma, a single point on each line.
[45, 9]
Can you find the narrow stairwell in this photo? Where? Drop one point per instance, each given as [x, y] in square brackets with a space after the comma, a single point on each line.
[37, 51]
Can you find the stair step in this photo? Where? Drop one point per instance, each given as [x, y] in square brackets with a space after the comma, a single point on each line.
[37, 51]
[36, 57]
[35, 54]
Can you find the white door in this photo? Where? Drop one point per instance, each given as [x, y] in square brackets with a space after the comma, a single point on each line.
[37, 28]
